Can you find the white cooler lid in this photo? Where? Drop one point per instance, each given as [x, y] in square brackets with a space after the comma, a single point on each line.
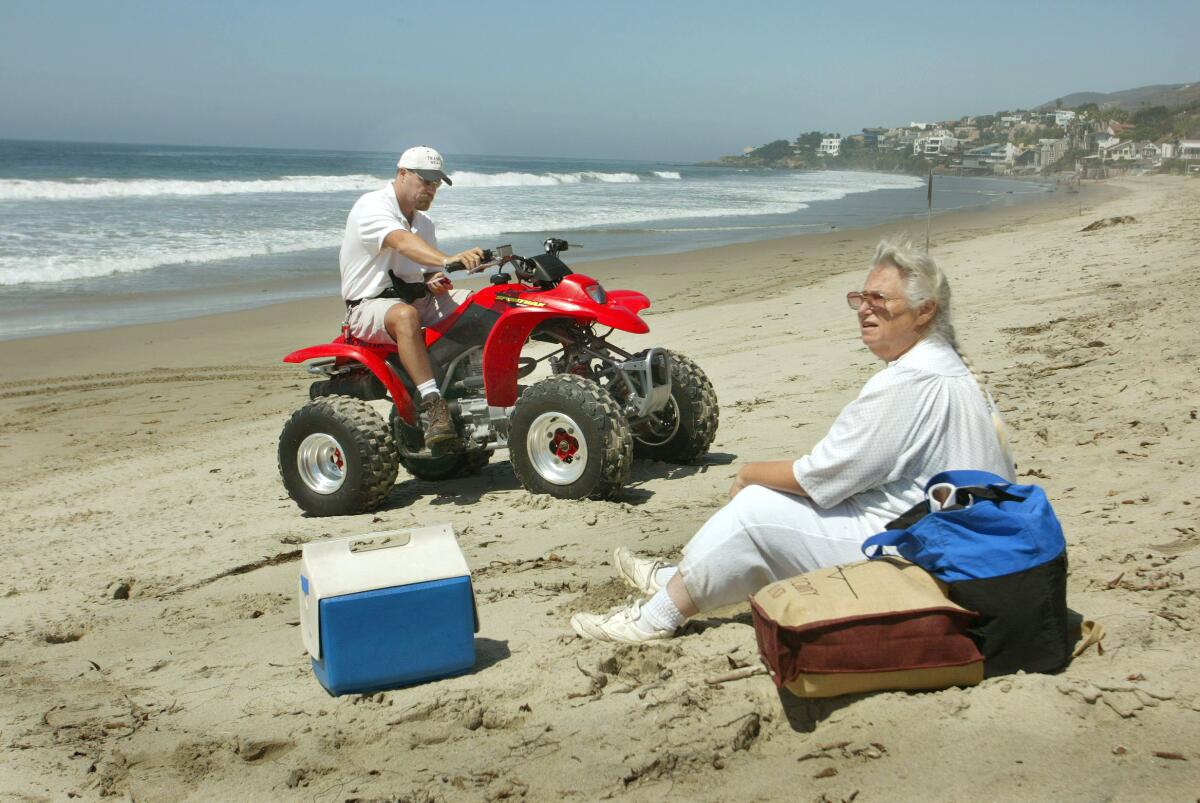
[369, 562]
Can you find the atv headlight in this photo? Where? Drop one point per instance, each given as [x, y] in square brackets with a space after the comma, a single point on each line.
[596, 293]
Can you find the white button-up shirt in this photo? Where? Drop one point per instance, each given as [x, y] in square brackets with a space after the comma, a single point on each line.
[364, 261]
[922, 414]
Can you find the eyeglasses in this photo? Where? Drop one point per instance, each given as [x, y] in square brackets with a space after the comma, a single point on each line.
[874, 299]
[434, 184]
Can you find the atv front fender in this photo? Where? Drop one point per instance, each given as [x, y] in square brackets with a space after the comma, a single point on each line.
[373, 362]
[501, 352]
[631, 300]
[619, 316]
[503, 348]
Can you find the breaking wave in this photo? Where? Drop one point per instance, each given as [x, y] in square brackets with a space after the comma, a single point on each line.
[94, 189]
[193, 249]
[511, 179]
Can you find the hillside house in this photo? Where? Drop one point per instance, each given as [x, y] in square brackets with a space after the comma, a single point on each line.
[871, 137]
[996, 158]
[939, 144]
[1049, 151]
[1118, 152]
[830, 146]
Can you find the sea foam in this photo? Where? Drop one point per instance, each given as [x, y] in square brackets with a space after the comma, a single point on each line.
[512, 179]
[85, 189]
[147, 255]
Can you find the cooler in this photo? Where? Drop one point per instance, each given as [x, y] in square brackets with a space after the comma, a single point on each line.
[387, 609]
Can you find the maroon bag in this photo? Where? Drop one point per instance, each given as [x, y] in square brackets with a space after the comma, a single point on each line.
[867, 626]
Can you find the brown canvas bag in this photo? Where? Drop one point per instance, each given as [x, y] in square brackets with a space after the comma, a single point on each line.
[867, 626]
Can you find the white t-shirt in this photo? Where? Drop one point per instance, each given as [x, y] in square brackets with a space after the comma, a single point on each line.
[922, 414]
[364, 261]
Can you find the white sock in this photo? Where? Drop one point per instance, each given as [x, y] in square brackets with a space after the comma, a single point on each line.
[663, 576]
[427, 389]
[660, 613]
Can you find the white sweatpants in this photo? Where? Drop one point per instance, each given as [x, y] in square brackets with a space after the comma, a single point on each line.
[762, 536]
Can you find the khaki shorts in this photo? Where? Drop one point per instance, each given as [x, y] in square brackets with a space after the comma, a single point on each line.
[366, 319]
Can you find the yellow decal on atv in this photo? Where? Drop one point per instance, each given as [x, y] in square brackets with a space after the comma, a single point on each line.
[522, 302]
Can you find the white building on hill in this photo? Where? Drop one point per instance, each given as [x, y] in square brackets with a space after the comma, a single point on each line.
[1062, 117]
[940, 143]
[831, 146]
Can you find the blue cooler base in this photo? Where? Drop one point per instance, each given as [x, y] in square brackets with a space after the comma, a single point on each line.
[378, 640]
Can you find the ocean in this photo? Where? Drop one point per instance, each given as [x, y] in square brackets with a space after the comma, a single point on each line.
[95, 235]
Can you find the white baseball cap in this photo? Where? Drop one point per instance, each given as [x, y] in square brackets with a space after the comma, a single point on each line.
[425, 162]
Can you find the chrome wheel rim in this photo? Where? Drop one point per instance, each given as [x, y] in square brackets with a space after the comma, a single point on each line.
[657, 434]
[321, 463]
[557, 448]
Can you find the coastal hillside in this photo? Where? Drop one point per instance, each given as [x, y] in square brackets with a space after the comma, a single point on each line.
[1173, 96]
[1085, 134]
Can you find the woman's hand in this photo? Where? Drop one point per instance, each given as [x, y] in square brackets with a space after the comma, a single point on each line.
[739, 482]
[774, 474]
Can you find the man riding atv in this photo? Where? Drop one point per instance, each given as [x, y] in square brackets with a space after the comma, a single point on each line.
[393, 275]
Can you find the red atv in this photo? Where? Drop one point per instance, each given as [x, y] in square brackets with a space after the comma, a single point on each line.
[572, 435]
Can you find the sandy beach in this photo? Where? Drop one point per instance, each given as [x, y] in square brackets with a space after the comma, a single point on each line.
[148, 615]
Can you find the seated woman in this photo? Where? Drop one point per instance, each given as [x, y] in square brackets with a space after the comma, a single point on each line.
[923, 413]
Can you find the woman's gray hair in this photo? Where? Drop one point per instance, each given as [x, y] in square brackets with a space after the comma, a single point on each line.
[923, 281]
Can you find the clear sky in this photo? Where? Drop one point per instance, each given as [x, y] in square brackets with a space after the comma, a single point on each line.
[654, 80]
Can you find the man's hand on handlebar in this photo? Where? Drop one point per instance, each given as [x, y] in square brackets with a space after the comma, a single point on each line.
[468, 260]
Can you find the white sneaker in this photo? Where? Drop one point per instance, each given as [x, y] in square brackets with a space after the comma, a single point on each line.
[637, 572]
[619, 624]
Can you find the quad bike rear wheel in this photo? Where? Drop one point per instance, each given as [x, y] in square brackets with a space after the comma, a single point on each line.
[433, 469]
[337, 457]
[569, 439]
[683, 430]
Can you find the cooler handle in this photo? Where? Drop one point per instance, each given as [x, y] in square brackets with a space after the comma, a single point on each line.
[372, 543]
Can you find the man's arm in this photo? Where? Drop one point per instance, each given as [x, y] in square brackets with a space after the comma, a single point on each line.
[774, 474]
[413, 247]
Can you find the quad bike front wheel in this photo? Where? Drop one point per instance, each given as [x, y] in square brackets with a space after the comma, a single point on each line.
[337, 457]
[683, 430]
[569, 439]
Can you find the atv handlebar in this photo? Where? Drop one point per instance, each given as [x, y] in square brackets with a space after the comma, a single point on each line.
[526, 269]
[491, 257]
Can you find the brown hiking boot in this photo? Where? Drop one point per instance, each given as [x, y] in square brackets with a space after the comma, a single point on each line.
[438, 426]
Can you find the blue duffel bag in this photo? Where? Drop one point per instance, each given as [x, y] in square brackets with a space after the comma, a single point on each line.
[1000, 550]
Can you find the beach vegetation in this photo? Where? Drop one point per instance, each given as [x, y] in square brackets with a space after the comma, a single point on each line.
[775, 151]
[1032, 135]
[811, 141]
[1151, 123]
[1173, 167]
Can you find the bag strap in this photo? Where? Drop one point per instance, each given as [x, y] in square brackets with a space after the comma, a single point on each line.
[910, 517]
[992, 493]
[1089, 633]
[988, 493]
[894, 530]
[879, 541]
